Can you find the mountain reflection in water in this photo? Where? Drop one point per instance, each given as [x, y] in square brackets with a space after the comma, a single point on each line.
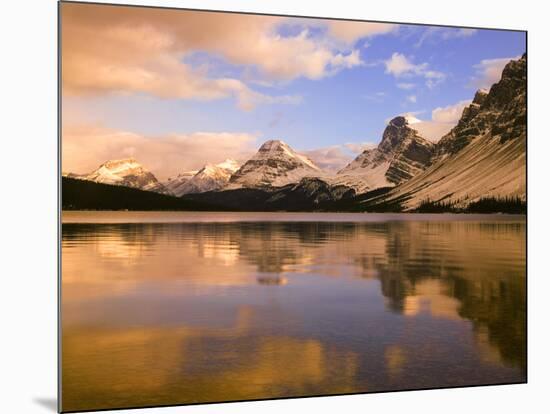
[169, 313]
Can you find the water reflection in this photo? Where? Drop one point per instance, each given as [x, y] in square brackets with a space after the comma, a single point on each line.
[172, 313]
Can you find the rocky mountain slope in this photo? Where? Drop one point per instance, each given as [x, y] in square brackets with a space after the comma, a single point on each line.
[483, 156]
[174, 184]
[274, 165]
[126, 172]
[401, 155]
[309, 194]
[211, 177]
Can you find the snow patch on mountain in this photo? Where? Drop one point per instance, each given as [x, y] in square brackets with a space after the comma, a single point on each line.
[174, 184]
[401, 154]
[211, 177]
[274, 165]
[484, 155]
[126, 172]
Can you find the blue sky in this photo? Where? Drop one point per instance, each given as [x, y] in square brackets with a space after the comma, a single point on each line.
[339, 86]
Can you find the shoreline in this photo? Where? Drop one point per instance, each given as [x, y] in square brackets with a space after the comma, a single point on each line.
[158, 217]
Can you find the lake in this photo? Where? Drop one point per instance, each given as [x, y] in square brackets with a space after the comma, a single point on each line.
[163, 308]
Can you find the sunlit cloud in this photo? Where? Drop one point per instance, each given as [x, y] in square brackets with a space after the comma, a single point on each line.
[350, 32]
[86, 147]
[359, 147]
[333, 158]
[135, 50]
[435, 34]
[400, 66]
[443, 119]
[330, 159]
[489, 71]
[450, 114]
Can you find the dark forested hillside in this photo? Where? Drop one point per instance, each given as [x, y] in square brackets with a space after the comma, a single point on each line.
[87, 195]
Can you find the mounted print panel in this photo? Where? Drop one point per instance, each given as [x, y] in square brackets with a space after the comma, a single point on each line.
[260, 207]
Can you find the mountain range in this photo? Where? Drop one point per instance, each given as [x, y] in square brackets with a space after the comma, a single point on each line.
[125, 172]
[211, 177]
[483, 156]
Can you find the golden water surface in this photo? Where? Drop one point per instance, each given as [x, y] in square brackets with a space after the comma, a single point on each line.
[175, 308]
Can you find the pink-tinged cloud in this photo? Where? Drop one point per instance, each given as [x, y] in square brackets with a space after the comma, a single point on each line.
[443, 119]
[350, 32]
[450, 114]
[334, 158]
[107, 49]
[330, 159]
[359, 147]
[86, 147]
[489, 71]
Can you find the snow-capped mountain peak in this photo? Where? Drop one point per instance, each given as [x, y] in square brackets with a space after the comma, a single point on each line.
[211, 177]
[276, 148]
[229, 164]
[401, 154]
[127, 172]
[274, 165]
[484, 155]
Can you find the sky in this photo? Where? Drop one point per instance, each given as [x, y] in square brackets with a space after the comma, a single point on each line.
[178, 89]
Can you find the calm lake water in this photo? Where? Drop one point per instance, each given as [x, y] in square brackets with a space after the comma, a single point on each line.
[172, 308]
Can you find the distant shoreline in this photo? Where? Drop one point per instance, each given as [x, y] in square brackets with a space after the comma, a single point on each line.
[296, 212]
[78, 195]
[238, 217]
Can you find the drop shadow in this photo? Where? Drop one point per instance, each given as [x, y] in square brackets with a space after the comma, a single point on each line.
[49, 403]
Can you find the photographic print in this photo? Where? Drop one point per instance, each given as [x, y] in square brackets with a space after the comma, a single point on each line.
[257, 207]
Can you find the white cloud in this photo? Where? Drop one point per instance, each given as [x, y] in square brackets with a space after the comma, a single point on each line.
[359, 147]
[489, 71]
[400, 66]
[350, 32]
[336, 157]
[435, 34]
[411, 98]
[451, 113]
[433, 131]
[408, 114]
[443, 119]
[330, 159]
[406, 86]
[86, 147]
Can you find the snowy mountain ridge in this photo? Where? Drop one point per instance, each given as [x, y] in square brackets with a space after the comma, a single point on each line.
[401, 155]
[211, 177]
[274, 165]
[127, 172]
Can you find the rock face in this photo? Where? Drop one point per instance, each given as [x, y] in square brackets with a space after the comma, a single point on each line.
[274, 165]
[401, 155]
[209, 178]
[126, 172]
[309, 192]
[175, 184]
[468, 127]
[484, 155]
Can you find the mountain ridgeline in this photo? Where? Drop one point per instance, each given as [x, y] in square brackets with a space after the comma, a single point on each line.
[401, 155]
[479, 166]
[483, 156]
